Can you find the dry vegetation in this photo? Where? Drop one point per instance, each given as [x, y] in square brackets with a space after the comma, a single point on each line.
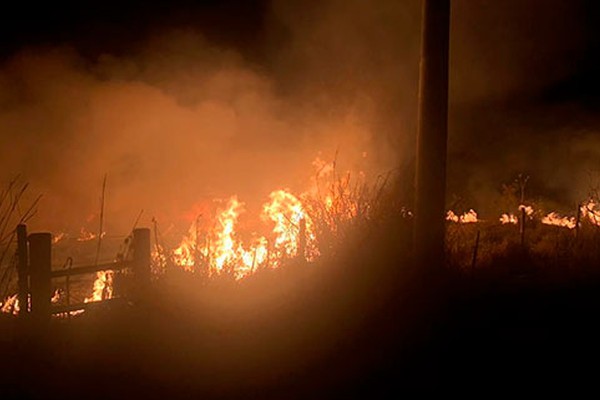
[355, 317]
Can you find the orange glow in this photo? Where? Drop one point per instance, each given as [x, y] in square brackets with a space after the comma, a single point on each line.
[10, 305]
[555, 219]
[102, 288]
[467, 218]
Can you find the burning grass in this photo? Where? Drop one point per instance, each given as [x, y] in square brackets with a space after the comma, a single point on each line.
[348, 286]
[314, 226]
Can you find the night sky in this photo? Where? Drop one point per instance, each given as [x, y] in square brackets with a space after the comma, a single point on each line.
[115, 27]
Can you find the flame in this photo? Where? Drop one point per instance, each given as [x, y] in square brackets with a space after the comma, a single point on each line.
[590, 212]
[290, 220]
[528, 210]
[508, 219]
[102, 288]
[58, 237]
[555, 219]
[10, 305]
[56, 296]
[513, 219]
[220, 249]
[467, 218]
[86, 236]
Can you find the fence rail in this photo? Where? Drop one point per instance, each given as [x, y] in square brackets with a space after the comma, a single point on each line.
[89, 269]
[35, 272]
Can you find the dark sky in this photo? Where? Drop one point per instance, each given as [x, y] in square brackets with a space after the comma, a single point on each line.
[110, 26]
[115, 26]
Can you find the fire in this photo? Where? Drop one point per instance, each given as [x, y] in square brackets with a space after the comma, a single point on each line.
[555, 219]
[55, 296]
[513, 219]
[102, 288]
[508, 219]
[86, 236]
[467, 218]
[287, 213]
[528, 210]
[58, 237]
[219, 249]
[590, 212]
[10, 305]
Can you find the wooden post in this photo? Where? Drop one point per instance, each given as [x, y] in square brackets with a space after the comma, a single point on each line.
[141, 257]
[23, 270]
[40, 252]
[429, 229]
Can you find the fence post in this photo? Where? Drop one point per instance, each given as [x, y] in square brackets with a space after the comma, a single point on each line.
[23, 270]
[141, 257]
[40, 253]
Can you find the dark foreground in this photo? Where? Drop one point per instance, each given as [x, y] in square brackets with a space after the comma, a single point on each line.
[353, 331]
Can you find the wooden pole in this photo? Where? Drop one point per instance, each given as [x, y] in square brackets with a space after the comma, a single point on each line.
[429, 229]
[23, 270]
[141, 257]
[40, 252]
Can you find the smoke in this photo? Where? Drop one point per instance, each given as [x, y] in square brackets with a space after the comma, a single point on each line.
[178, 120]
[173, 125]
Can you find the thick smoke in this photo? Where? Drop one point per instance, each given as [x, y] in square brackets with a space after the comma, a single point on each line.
[173, 125]
[180, 120]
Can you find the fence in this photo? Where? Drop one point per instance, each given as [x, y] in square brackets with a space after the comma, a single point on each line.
[35, 274]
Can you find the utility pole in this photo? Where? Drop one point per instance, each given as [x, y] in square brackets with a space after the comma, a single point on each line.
[429, 229]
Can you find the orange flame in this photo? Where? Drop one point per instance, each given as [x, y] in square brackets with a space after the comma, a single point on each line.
[467, 218]
[103, 288]
[10, 305]
[590, 212]
[555, 219]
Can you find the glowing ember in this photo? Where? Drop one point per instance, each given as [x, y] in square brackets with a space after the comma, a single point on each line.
[467, 218]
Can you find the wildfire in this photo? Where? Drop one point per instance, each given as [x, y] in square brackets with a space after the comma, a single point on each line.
[86, 236]
[508, 219]
[220, 249]
[10, 305]
[590, 212]
[291, 221]
[58, 237]
[102, 288]
[467, 218]
[513, 219]
[555, 219]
